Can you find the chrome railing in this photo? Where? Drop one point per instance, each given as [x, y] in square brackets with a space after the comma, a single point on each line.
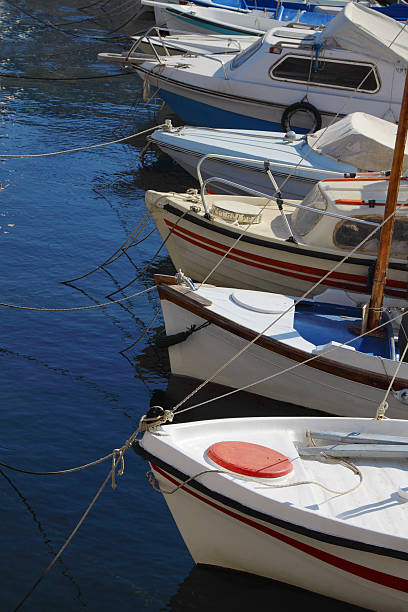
[147, 37]
[277, 198]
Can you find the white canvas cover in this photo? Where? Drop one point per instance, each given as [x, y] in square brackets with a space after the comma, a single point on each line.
[359, 139]
[360, 29]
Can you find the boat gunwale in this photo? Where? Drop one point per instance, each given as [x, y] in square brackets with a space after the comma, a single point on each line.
[215, 94]
[344, 371]
[277, 244]
[247, 166]
[267, 518]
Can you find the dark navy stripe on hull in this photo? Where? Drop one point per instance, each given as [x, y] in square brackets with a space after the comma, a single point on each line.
[226, 501]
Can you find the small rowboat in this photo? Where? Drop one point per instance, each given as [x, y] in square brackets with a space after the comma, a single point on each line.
[246, 496]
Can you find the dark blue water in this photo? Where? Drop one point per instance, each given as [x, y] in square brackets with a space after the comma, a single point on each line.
[67, 394]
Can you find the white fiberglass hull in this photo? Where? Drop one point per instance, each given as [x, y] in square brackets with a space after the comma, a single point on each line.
[294, 166]
[345, 546]
[225, 109]
[250, 176]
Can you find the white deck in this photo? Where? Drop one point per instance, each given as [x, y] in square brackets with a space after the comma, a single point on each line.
[375, 507]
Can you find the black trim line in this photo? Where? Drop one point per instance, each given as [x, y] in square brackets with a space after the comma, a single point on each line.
[164, 145]
[226, 501]
[213, 94]
[279, 247]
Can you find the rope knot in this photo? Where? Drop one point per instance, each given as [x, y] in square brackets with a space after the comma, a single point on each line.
[155, 417]
[151, 479]
[381, 410]
[117, 458]
[182, 279]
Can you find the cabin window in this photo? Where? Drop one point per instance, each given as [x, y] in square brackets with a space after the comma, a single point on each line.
[305, 218]
[348, 234]
[242, 57]
[326, 73]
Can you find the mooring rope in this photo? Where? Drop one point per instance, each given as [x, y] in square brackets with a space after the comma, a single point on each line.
[298, 300]
[74, 308]
[155, 254]
[29, 77]
[117, 468]
[382, 408]
[58, 28]
[117, 254]
[94, 146]
[143, 333]
[44, 23]
[153, 480]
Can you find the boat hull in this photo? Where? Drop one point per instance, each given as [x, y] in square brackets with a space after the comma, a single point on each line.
[195, 24]
[221, 109]
[232, 536]
[219, 113]
[195, 246]
[253, 177]
[330, 389]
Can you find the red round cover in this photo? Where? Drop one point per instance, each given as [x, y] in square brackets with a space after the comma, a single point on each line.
[249, 459]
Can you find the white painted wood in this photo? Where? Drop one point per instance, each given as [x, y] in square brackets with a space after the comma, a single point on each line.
[373, 514]
[282, 377]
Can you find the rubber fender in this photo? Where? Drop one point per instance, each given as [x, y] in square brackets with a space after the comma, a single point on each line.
[303, 106]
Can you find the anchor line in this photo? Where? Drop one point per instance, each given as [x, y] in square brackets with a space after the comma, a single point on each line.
[74, 150]
[117, 468]
[154, 256]
[297, 301]
[119, 252]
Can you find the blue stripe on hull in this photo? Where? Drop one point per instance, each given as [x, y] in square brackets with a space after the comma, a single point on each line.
[197, 113]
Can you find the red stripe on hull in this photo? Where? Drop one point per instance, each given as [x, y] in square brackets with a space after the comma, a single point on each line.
[282, 267]
[387, 580]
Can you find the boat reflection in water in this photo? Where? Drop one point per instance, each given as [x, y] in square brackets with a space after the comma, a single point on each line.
[238, 404]
[207, 588]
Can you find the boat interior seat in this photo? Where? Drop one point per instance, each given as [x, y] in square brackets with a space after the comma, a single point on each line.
[257, 310]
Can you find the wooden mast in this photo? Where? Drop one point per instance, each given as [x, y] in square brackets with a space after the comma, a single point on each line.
[380, 274]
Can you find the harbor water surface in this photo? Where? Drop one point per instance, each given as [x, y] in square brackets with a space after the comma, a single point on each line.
[68, 393]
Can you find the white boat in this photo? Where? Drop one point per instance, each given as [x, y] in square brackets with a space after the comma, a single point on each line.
[245, 496]
[285, 251]
[297, 162]
[154, 44]
[327, 355]
[212, 20]
[297, 354]
[296, 78]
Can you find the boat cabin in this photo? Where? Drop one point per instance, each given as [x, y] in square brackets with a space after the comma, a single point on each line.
[321, 69]
[362, 201]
